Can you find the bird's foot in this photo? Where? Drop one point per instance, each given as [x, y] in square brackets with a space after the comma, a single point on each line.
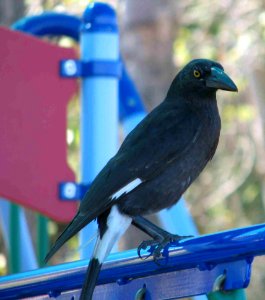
[159, 247]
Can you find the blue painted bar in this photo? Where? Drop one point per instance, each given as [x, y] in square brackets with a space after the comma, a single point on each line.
[193, 268]
[99, 41]
[130, 101]
[50, 23]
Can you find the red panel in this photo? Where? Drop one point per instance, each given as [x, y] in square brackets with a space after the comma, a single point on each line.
[33, 106]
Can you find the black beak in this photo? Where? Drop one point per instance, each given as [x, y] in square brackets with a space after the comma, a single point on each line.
[219, 80]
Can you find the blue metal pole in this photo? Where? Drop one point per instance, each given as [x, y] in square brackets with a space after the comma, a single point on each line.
[28, 259]
[99, 40]
[4, 220]
[177, 219]
[26, 252]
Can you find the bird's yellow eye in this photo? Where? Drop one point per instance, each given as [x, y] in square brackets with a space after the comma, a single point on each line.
[197, 73]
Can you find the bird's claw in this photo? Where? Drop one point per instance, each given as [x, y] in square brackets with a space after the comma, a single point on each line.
[144, 245]
[159, 247]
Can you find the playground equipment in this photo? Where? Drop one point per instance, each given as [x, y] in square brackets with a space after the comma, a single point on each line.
[196, 266]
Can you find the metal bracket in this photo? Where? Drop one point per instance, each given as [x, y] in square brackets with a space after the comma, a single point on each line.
[72, 68]
[69, 191]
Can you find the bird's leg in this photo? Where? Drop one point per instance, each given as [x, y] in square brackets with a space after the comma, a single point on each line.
[161, 237]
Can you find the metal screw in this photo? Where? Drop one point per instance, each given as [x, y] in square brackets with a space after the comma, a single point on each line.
[69, 190]
[70, 67]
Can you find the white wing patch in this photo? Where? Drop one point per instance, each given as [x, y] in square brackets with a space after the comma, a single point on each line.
[127, 188]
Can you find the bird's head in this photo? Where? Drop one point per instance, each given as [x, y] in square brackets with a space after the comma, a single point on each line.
[202, 76]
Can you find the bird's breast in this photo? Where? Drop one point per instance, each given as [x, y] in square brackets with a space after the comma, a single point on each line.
[165, 187]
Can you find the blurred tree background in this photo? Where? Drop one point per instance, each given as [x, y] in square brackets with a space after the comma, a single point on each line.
[158, 37]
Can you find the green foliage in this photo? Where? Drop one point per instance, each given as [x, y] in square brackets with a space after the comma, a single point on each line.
[242, 113]
[73, 135]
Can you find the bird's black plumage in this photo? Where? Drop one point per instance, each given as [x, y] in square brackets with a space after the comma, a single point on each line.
[157, 161]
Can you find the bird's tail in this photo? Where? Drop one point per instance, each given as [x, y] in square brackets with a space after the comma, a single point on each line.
[91, 279]
[102, 249]
[77, 224]
[115, 226]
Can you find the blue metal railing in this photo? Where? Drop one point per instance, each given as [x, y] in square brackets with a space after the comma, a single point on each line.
[194, 267]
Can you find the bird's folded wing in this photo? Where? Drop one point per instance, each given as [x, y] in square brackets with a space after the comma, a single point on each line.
[165, 135]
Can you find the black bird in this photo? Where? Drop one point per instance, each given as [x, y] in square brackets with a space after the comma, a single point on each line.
[155, 164]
